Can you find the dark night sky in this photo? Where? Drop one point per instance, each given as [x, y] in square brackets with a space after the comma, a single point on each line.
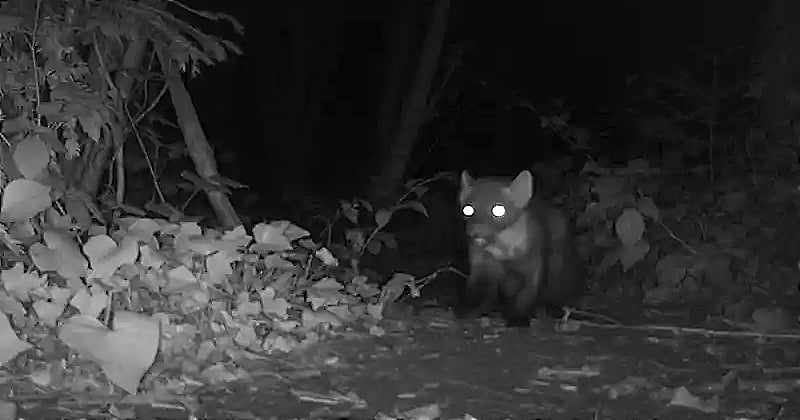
[581, 50]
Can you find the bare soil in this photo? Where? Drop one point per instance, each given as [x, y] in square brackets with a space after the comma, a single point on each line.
[491, 372]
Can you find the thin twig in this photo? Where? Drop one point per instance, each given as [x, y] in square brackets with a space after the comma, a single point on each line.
[692, 330]
[33, 61]
[151, 106]
[146, 155]
[116, 140]
[679, 240]
[399, 201]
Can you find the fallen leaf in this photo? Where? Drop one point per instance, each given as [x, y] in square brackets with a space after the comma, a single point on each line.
[125, 353]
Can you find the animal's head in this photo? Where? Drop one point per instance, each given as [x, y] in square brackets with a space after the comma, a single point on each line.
[490, 205]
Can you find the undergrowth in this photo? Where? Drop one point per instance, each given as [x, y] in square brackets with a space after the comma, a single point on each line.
[134, 295]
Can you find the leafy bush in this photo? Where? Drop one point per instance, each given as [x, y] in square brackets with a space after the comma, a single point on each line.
[697, 244]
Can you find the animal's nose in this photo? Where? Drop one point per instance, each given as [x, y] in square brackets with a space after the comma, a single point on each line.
[479, 231]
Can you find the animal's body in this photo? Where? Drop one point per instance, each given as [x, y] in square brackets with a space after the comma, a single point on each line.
[521, 253]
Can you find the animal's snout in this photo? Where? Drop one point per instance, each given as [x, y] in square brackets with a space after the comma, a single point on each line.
[479, 231]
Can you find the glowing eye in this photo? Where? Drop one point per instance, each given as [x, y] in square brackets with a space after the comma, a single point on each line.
[468, 210]
[498, 210]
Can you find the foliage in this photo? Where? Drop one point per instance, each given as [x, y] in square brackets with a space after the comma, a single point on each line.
[120, 294]
[716, 252]
[150, 285]
[123, 294]
[694, 118]
[147, 284]
[138, 294]
[617, 213]
[559, 122]
[367, 230]
[681, 220]
[62, 67]
[357, 228]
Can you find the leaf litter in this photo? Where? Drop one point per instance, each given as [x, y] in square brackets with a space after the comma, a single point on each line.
[160, 315]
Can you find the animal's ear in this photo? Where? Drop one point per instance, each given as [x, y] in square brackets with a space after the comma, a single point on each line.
[521, 189]
[466, 185]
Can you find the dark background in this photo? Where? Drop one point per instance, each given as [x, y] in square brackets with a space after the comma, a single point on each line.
[582, 51]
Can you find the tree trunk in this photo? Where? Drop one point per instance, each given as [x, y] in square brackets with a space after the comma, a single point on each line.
[415, 107]
[778, 65]
[317, 57]
[398, 47]
[199, 149]
[270, 85]
[297, 128]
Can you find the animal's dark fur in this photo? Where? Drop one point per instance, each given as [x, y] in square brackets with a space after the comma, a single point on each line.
[522, 261]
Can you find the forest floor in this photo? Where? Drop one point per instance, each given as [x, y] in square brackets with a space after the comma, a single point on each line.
[429, 365]
[438, 365]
